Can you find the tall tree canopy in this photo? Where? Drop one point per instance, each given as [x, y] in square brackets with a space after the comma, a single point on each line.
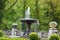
[44, 10]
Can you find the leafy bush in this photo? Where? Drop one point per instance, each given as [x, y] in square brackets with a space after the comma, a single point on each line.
[33, 36]
[1, 33]
[54, 37]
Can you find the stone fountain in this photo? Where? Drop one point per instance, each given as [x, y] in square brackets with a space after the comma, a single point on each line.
[28, 21]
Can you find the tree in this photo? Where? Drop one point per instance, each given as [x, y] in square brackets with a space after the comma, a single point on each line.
[2, 9]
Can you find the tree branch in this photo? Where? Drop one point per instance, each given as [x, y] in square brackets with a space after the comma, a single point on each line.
[12, 5]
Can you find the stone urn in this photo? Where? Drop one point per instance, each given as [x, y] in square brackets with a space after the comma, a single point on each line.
[52, 28]
[53, 24]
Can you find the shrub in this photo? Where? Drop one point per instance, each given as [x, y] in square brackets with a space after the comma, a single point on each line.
[33, 36]
[1, 33]
[54, 37]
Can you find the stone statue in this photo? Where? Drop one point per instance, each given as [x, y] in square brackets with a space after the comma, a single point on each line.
[27, 13]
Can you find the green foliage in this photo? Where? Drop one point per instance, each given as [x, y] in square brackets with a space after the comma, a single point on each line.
[33, 36]
[1, 33]
[54, 37]
[24, 27]
[43, 10]
[2, 7]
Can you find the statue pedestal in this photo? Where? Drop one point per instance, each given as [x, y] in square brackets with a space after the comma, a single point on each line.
[14, 33]
[51, 31]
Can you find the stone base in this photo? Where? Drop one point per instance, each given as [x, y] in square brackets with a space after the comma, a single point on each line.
[14, 36]
[52, 30]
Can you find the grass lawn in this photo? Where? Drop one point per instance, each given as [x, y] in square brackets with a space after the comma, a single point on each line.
[2, 38]
[5, 37]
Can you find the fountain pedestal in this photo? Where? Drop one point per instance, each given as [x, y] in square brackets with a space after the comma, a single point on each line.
[28, 21]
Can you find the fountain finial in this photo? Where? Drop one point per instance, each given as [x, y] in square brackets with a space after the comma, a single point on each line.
[27, 13]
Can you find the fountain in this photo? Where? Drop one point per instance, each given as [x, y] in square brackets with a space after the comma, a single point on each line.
[14, 30]
[28, 21]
